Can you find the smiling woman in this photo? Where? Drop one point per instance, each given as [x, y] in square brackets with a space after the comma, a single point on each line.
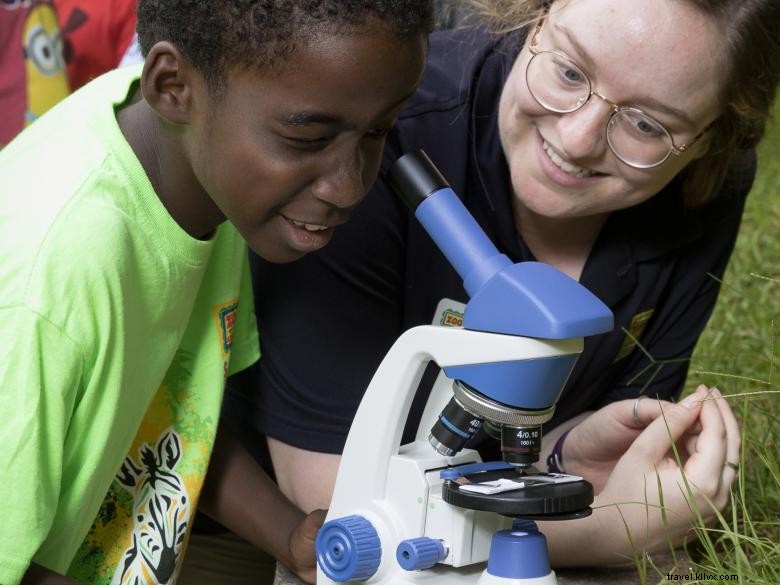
[566, 170]
[612, 140]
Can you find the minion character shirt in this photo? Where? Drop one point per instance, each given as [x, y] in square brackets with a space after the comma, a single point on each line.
[32, 70]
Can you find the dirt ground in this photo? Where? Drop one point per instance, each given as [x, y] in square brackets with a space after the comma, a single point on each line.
[577, 576]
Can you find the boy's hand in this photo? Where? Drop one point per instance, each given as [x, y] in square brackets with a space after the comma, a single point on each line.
[303, 559]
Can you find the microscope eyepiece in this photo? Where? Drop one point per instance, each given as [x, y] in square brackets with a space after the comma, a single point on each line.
[413, 177]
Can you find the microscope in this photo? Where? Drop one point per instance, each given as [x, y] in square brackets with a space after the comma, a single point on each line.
[432, 511]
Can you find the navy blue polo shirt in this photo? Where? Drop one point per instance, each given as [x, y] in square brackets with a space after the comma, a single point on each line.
[327, 320]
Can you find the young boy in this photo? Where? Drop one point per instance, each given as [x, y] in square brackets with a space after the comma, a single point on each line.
[125, 298]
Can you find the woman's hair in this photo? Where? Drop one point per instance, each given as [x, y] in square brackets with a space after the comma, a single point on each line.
[508, 15]
[216, 35]
[750, 37]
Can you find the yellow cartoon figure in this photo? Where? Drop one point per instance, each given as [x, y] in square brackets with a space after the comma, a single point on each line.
[47, 81]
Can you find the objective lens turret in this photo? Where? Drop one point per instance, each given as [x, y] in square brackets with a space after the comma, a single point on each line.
[468, 410]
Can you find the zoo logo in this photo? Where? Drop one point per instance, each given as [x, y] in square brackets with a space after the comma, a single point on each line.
[451, 318]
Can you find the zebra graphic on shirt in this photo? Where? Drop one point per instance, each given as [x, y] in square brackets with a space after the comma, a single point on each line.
[161, 510]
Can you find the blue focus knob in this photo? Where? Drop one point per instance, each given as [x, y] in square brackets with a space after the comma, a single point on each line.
[414, 554]
[348, 549]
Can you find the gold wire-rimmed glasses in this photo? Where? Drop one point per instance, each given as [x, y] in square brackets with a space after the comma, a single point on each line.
[561, 86]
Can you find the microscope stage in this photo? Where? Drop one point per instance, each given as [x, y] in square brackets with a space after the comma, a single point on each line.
[537, 500]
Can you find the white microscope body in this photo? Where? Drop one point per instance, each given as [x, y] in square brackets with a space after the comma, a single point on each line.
[390, 521]
[396, 488]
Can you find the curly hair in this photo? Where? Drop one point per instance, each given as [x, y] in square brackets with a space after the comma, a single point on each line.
[220, 34]
[750, 33]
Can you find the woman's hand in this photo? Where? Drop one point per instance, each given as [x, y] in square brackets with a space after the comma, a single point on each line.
[595, 445]
[643, 472]
[649, 473]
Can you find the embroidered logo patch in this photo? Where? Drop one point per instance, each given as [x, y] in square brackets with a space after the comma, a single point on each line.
[634, 332]
[226, 321]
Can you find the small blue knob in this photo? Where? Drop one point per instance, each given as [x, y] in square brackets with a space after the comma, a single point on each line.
[414, 554]
[348, 549]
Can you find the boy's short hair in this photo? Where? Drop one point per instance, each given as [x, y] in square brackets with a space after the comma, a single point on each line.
[216, 35]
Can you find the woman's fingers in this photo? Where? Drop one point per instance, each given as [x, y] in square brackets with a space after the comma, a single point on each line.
[655, 441]
[733, 434]
[714, 463]
[733, 447]
[706, 464]
[640, 412]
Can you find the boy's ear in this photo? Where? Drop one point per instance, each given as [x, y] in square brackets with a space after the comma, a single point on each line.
[167, 82]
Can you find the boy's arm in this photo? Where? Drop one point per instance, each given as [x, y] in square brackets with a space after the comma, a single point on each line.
[40, 370]
[240, 496]
[37, 575]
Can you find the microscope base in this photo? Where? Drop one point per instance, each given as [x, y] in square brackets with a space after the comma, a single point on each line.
[488, 579]
[464, 576]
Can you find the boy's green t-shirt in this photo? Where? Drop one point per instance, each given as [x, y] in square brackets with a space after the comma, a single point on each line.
[117, 330]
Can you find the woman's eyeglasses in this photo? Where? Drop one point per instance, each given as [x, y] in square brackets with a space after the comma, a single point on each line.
[561, 86]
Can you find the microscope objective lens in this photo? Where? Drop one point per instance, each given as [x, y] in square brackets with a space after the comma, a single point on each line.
[520, 446]
[454, 427]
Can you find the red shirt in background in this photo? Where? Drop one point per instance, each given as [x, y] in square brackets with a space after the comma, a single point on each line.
[97, 34]
[32, 71]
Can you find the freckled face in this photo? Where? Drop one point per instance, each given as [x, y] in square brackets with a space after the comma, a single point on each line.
[657, 56]
[287, 154]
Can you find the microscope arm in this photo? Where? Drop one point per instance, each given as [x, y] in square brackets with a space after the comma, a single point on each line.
[375, 435]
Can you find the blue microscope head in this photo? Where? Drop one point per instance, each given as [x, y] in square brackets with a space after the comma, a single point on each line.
[528, 299]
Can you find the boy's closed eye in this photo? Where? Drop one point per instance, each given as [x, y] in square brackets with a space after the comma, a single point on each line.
[306, 141]
[321, 141]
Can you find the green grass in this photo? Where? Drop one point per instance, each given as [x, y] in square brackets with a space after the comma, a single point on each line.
[739, 353]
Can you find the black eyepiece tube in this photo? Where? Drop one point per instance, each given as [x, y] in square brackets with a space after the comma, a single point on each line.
[413, 177]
